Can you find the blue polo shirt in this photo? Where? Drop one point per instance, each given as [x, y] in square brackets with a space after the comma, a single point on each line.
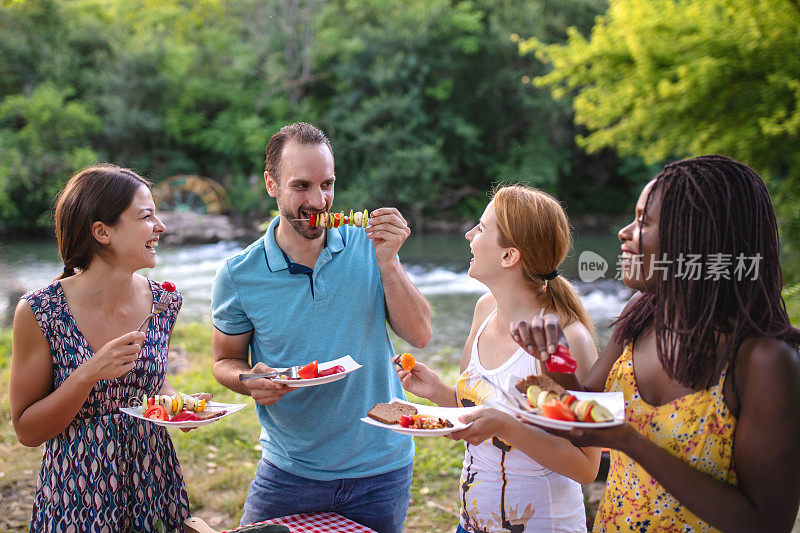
[315, 432]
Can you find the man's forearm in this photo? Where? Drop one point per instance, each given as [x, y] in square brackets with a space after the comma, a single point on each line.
[226, 372]
[408, 311]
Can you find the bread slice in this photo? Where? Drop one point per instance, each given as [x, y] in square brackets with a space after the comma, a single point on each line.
[544, 382]
[390, 413]
[206, 415]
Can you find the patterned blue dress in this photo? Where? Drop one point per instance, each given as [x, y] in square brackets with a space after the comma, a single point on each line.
[107, 472]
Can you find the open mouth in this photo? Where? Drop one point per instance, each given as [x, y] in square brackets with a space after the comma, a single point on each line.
[151, 244]
[306, 214]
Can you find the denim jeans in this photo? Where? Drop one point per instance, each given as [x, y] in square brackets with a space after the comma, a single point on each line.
[379, 502]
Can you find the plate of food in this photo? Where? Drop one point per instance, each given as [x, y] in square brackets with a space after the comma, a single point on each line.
[543, 402]
[315, 373]
[181, 410]
[415, 419]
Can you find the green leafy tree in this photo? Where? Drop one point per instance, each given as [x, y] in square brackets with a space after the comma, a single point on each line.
[44, 138]
[427, 104]
[664, 79]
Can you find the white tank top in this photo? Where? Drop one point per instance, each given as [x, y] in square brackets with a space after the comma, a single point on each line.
[503, 489]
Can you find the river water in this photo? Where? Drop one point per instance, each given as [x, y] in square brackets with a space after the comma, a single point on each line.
[436, 264]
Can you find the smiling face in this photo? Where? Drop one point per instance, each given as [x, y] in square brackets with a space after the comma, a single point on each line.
[133, 240]
[640, 242]
[305, 185]
[487, 254]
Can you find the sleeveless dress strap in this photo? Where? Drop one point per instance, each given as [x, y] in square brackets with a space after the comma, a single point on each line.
[474, 353]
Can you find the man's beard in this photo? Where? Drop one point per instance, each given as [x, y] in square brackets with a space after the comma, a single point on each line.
[300, 226]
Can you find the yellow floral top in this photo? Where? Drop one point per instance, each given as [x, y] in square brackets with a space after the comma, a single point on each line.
[698, 428]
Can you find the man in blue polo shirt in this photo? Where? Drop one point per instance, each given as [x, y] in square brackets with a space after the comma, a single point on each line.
[300, 294]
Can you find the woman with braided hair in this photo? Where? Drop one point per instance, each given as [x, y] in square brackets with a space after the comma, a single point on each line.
[706, 358]
[515, 477]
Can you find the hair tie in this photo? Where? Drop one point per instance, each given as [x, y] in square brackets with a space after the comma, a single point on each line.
[552, 275]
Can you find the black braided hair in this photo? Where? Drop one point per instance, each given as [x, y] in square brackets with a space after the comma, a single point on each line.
[711, 205]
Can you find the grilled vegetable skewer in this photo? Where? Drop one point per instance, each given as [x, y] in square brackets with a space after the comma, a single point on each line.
[329, 220]
[174, 404]
[570, 407]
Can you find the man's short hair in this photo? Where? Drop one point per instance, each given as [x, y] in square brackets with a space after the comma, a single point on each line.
[299, 132]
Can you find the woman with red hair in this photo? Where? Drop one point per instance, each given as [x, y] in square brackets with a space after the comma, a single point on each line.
[515, 477]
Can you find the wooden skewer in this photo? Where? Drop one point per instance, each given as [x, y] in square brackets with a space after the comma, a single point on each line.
[198, 525]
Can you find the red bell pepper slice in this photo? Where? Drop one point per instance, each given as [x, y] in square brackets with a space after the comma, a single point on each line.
[561, 362]
[312, 220]
[309, 371]
[184, 416]
[330, 371]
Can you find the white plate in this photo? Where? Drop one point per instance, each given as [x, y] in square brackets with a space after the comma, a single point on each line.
[449, 413]
[347, 362]
[230, 408]
[613, 401]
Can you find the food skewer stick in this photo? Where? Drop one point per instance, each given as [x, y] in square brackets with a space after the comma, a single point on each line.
[334, 220]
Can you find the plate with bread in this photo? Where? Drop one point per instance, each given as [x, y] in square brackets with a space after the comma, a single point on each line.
[177, 418]
[416, 419]
[543, 402]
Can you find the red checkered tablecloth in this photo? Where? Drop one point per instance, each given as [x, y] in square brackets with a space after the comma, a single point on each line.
[320, 523]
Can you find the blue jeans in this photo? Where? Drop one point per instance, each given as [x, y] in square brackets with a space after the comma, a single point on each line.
[379, 502]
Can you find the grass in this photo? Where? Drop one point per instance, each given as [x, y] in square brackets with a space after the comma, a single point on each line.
[219, 460]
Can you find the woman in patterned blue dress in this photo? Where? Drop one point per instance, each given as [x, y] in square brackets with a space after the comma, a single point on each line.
[77, 358]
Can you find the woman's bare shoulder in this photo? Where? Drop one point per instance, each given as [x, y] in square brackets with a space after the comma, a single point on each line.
[760, 357]
[485, 305]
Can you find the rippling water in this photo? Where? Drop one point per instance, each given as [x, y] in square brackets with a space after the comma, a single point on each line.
[437, 265]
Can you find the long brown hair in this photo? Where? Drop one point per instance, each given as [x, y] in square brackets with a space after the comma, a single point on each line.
[534, 223]
[96, 194]
[711, 205]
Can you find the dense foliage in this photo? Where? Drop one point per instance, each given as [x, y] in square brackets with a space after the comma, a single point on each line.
[664, 79]
[426, 101]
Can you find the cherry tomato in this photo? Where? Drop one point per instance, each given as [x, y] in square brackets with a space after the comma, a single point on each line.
[405, 421]
[309, 371]
[156, 412]
[558, 411]
[407, 362]
[168, 286]
[330, 371]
